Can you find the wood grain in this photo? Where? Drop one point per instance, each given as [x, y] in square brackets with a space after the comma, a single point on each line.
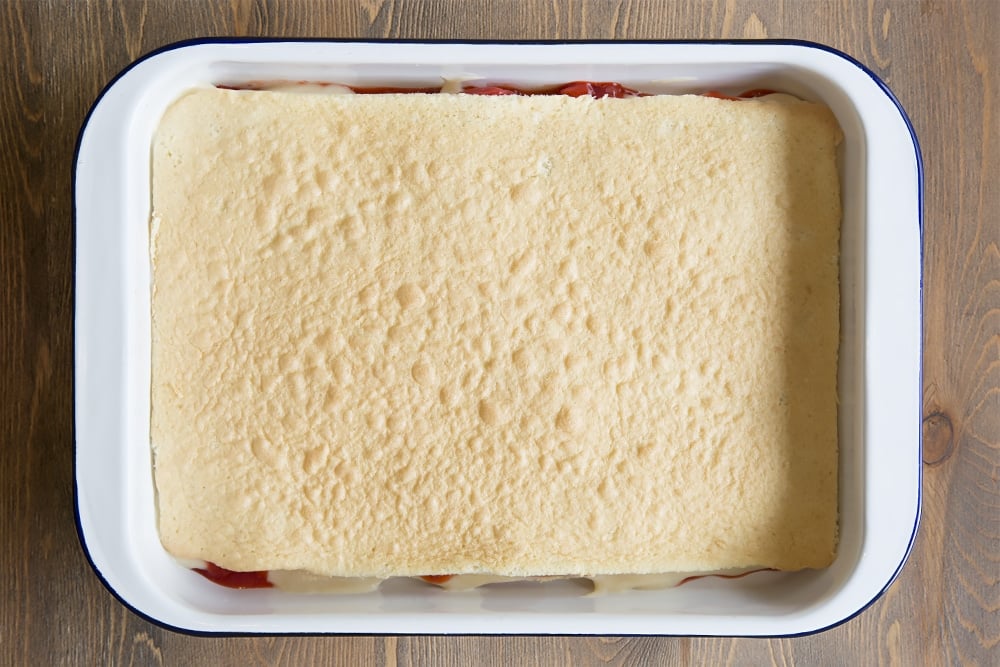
[941, 58]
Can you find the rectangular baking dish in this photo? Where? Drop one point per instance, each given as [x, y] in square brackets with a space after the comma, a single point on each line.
[879, 376]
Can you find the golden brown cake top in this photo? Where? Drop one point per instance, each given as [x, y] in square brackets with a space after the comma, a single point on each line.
[426, 334]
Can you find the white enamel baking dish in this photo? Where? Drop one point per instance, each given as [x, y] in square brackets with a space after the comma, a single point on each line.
[880, 384]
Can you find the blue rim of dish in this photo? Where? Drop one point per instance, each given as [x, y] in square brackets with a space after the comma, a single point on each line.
[918, 158]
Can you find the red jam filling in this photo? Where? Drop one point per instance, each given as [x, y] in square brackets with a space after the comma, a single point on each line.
[724, 576]
[595, 89]
[231, 579]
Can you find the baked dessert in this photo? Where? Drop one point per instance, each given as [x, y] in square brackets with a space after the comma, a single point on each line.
[518, 336]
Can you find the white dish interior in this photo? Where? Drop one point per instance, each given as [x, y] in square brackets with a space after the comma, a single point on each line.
[879, 368]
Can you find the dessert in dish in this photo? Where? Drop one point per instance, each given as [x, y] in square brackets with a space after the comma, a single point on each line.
[528, 336]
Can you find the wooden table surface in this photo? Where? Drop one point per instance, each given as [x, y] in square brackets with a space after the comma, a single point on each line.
[941, 58]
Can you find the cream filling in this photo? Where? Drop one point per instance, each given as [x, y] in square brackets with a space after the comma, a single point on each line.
[300, 581]
[307, 88]
[303, 581]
